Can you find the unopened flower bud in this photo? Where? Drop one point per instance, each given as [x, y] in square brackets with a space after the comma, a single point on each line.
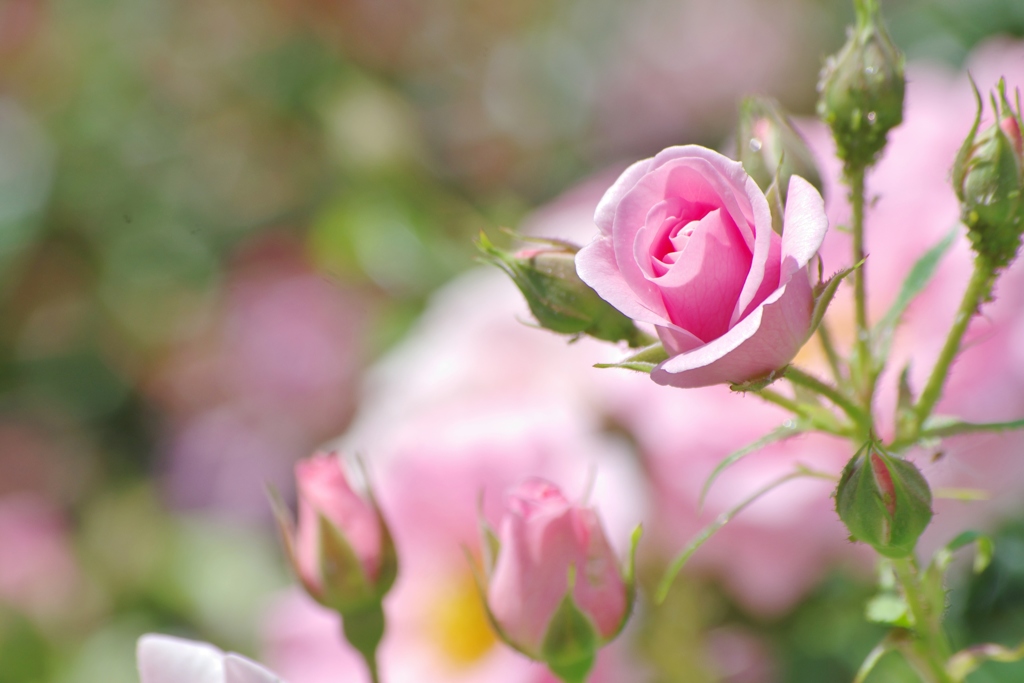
[862, 89]
[556, 591]
[769, 147]
[341, 550]
[884, 501]
[989, 181]
[557, 297]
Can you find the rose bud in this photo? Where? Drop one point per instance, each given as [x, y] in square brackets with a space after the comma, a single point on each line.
[884, 501]
[687, 244]
[988, 179]
[769, 147]
[342, 551]
[558, 299]
[556, 592]
[862, 88]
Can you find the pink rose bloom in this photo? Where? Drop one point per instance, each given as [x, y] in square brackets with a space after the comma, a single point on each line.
[544, 537]
[325, 495]
[165, 659]
[687, 245]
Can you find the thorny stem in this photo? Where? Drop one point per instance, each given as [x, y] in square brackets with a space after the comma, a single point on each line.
[830, 353]
[864, 378]
[931, 645]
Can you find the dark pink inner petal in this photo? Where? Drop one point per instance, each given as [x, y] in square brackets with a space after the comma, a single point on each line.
[699, 263]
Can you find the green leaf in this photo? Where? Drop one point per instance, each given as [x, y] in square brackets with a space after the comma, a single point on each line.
[985, 547]
[644, 360]
[780, 433]
[918, 278]
[888, 608]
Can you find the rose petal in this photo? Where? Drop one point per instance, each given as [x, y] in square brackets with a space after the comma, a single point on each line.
[595, 264]
[804, 228]
[765, 340]
[238, 669]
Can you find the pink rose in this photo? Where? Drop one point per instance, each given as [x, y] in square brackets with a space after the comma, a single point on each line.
[341, 551]
[165, 659]
[687, 245]
[544, 537]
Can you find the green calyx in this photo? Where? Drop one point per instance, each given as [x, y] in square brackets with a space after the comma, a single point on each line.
[884, 501]
[862, 89]
[557, 297]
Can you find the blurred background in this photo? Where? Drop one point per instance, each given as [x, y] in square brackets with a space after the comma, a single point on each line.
[216, 216]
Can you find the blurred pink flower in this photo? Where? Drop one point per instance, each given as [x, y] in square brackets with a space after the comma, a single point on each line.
[543, 537]
[268, 378]
[38, 571]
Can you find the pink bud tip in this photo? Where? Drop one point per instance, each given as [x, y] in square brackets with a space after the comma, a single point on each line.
[1011, 127]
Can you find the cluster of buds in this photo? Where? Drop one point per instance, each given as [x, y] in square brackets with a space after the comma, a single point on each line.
[988, 177]
[557, 297]
[884, 501]
[555, 590]
[862, 88]
[341, 550]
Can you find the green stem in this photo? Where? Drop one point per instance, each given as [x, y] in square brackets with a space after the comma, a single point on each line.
[364, 630]
[931, 645]
[864, 377]
[830, 353]
[808, 381]
[780, 400]
[977, 291]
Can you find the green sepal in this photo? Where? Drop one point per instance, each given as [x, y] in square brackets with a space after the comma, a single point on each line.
[960, 161]
[644, 360]
[863, 502]
[346, 588]
[491, 543]
[481, 587]
[824, 292]
[571, 641]
[629, 578]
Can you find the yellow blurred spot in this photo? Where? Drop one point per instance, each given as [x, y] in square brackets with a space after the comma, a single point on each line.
[459, 623]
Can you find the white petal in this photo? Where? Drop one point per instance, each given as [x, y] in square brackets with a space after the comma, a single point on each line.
[166, 659]
[238, 669]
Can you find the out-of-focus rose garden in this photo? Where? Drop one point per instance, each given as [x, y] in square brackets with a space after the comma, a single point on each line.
[235, 233]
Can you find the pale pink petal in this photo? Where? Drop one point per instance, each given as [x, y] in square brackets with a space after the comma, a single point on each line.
[605, 211]
[804, 228]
